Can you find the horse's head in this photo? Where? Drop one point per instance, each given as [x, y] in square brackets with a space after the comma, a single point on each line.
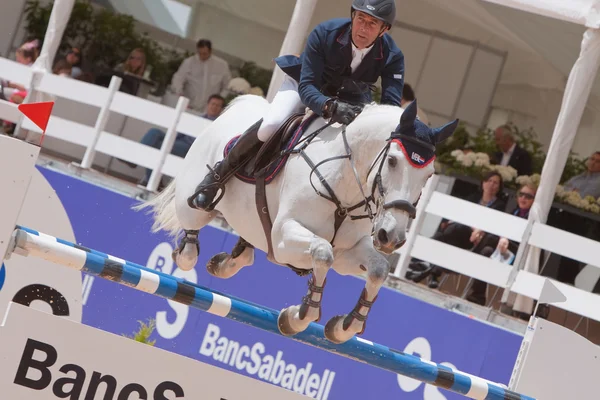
[399, 175]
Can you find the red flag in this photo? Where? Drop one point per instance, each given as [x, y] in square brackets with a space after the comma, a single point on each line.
[38, 113]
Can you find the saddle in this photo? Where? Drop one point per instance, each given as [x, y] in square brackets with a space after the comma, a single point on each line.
[273, 154]
[266, 164]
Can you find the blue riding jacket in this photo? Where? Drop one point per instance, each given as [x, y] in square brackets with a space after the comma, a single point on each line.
[324, 66]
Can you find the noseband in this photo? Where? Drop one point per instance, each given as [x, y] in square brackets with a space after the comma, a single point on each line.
[342, 212]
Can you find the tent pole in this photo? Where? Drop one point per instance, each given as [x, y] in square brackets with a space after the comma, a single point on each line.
[577, 92]
[294, 39]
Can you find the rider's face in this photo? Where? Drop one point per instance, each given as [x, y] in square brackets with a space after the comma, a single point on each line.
[365, 29]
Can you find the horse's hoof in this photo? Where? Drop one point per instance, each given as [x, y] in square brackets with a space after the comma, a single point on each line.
[214, 264]
[186, 258]
[284, 321]
[334, 330]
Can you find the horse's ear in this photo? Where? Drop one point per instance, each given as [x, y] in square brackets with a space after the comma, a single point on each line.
[444, 132]
[409, 115]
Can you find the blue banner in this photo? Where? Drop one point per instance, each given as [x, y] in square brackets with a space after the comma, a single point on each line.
[104, 220]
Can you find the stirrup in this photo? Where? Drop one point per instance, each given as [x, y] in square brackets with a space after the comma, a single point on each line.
[218, 181]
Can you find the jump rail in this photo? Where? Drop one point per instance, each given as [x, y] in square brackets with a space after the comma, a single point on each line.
[28, 242]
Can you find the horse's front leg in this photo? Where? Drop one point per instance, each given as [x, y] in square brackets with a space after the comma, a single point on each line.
[360, 259]
[224, 265]
[301, 248]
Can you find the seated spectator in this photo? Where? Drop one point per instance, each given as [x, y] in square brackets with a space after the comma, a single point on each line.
[408, 96]
[490, 195]
[155, 137]
[63, 68]
[75, 60]
[135, 63]
[511, 153]
[15, 92]
[587, 183]
[26, 55]
[486, 243]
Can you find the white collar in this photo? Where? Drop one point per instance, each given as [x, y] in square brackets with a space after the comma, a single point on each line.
[362, 52]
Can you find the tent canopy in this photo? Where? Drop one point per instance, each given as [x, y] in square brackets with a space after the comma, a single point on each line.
[541, 50]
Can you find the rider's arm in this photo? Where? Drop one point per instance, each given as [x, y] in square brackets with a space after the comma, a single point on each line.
[313, 66]
[392, 80]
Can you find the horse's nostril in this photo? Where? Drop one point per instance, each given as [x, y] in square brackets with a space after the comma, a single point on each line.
[382, 236]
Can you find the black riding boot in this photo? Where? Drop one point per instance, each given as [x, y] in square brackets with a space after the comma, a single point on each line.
[244, 148]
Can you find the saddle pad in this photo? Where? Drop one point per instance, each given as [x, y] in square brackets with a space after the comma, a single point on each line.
[279, 163]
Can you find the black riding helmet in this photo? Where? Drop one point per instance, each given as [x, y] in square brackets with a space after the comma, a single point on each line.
[383, 10]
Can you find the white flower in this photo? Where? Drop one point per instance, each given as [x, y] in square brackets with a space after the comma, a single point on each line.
[523, 180]
[480, 163]
[239, 86]
[590, 199]
[560, 191]
[467, 162]
[483, 158]
[257, 91]
[595, 208]
[456, 153]
[472, 156]
[506, 172]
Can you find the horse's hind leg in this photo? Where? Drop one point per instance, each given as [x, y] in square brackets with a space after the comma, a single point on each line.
[191, 220]
[360, 259]
[224, 265]
[300, 247]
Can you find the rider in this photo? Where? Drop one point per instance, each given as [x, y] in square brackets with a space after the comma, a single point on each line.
[342, 59]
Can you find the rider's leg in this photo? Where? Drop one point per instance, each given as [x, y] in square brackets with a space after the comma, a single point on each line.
[286, 102]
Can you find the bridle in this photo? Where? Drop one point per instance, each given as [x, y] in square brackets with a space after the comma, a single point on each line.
[342, 212]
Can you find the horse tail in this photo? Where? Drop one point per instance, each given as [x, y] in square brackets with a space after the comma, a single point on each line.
[163, 209]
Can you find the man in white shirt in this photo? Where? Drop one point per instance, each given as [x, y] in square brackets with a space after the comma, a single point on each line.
[201, 76]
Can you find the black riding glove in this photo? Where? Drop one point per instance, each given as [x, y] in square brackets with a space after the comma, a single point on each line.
[341, 112]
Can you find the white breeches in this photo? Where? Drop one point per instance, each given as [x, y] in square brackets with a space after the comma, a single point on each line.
[286, 102]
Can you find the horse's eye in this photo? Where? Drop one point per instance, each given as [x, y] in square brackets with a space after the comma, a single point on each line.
[392, 161]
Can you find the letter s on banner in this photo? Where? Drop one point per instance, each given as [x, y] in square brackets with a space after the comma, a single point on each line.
[160, 260]
[421, 347]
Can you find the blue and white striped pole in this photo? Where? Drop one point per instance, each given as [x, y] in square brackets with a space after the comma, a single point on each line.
[28, 242]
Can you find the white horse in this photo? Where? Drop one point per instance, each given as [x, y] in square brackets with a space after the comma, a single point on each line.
[391, 160]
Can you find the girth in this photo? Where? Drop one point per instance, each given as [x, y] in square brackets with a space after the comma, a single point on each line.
[291, 124]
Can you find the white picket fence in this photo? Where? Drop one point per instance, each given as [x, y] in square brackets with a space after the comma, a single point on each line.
[95, 139]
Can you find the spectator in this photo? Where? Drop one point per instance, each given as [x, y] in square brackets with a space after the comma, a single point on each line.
[511, 153]
[135, 63]
[15, 92]
[201, 75]
[63, 68]
[73, 57]
[587, 183]
[486, 244]
[453, 233]
[408, 96]
[155, 137]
